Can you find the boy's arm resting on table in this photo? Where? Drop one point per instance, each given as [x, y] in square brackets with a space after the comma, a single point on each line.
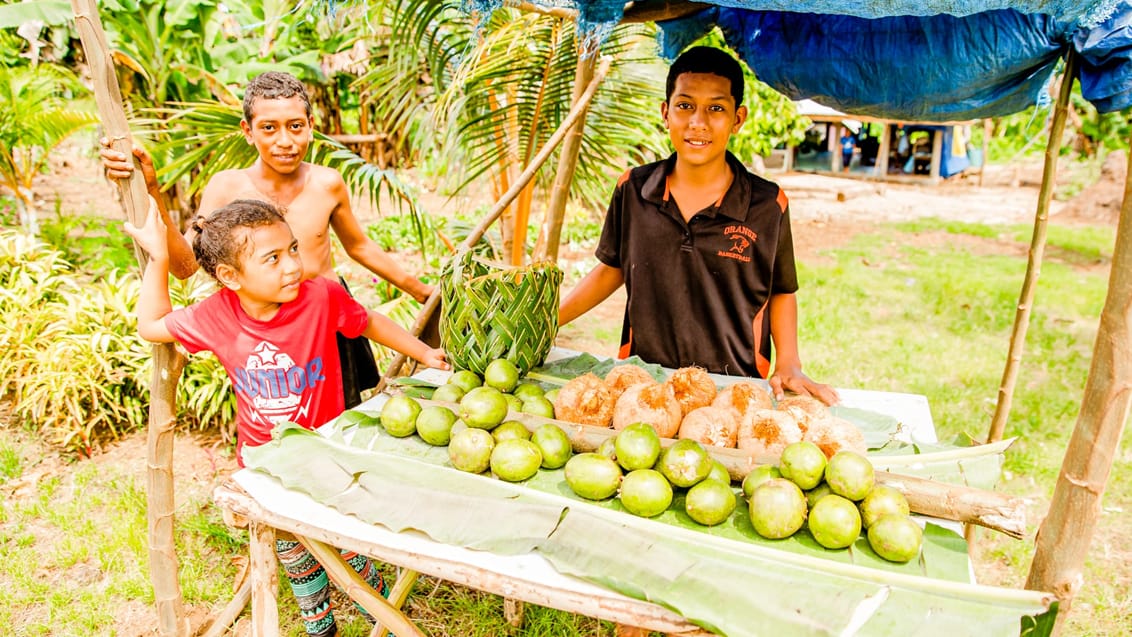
[382, 329]
[594, 288]
[153, 302]
[363, 250]
[182, 262]
[787, 373]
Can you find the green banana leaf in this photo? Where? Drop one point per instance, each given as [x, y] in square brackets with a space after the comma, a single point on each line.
[727, 579]
[560, 371]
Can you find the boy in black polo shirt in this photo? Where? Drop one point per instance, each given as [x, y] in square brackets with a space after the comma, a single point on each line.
[702, 246]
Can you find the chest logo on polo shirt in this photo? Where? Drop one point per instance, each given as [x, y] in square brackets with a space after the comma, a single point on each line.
[741, 238]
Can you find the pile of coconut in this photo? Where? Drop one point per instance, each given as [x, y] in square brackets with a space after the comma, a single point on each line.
[689, 405]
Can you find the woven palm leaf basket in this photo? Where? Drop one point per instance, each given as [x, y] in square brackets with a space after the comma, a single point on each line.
[492, 311]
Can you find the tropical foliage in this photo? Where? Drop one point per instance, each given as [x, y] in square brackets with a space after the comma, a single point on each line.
[38, 110]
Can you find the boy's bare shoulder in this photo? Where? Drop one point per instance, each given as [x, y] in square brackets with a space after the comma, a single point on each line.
[226, 180]
[327, 179]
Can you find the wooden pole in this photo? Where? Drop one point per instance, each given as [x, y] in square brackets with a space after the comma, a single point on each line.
[988, 127]
[167, 362]
[657, 10]
[264, 568]
[937, 155]
[433, 301]
[882, 152]
[567, 161]
[1034, 263]
[1064, 537]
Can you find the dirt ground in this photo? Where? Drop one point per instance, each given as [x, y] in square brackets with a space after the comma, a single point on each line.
[826, 212]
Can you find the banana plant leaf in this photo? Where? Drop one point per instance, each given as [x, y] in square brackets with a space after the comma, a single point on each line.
[560, 371]
[727, 579]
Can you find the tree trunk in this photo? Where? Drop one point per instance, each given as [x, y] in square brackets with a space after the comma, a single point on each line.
[167, 363]
[1064, 537]
[567, 163]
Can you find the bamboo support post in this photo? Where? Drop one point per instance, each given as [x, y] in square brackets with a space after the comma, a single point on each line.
[575, 113]
[1034, 263]
[1064, 537]
[353, 585]
[567, 162]
[167, 362]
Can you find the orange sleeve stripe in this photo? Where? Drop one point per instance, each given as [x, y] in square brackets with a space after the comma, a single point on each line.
[623, 178]
[626, 347]
[761, 363]
[782, 201]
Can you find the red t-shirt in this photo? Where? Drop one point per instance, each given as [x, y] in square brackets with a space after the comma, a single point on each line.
[283, 369]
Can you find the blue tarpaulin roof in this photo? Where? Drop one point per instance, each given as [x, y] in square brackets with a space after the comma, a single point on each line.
[933, 60]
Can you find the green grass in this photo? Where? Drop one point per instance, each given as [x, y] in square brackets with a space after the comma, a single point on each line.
[882, 312]
[885, 314]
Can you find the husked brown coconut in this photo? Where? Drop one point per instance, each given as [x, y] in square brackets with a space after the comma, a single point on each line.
[586, 400]
[693, 388]
[766, 432]
[715, 426]
[805, 409]
[743, 397]
[622, 377]
[832, 434]
[654, 404]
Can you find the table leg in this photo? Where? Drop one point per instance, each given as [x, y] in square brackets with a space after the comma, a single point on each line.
[397, 596]
[349, 581]
[265, 580]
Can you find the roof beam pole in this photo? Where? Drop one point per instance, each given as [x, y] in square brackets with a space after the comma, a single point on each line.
[655, 11]
[634, 12]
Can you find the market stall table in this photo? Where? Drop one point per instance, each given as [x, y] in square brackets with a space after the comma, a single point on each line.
[267, 506]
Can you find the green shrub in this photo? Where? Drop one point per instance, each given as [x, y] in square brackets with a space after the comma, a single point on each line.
[71, 361]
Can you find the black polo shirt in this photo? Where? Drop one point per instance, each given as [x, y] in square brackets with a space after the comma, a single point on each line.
[698, 291]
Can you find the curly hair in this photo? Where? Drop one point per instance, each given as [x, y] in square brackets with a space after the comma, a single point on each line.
[221, 237]
[274, 85]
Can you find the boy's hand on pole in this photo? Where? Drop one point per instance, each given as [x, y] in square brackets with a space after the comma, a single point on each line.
[151, 236]
[118, 166]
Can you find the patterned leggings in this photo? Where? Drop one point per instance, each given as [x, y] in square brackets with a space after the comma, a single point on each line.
[312, 587]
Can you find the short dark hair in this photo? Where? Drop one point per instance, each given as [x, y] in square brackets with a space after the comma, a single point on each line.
[219, 239]
[707, 59]
[274, 85]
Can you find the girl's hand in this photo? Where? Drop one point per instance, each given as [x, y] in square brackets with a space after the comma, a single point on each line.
[151, 236]
[436, 358]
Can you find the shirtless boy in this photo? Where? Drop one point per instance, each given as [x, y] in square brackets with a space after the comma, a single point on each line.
[314, 200]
